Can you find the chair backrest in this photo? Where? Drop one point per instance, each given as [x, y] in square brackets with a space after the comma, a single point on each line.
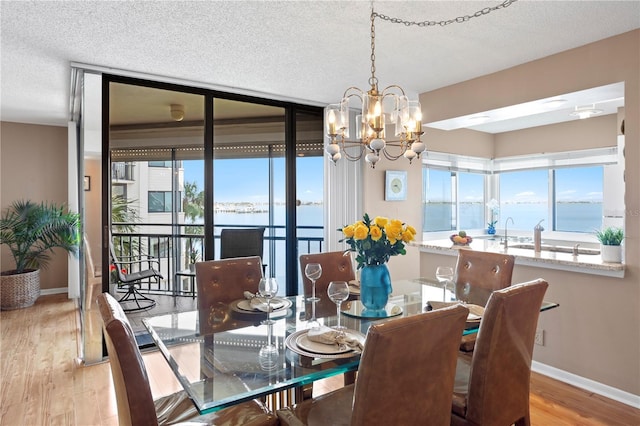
[241, 242]
[130, 380]
[407, 370]
[219, 283]
[501, 365]
[336, 266]
[479, 273]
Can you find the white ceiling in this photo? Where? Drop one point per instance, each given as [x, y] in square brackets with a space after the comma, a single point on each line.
[307, 51]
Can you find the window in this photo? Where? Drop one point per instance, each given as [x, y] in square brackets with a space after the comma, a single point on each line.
[471, 200]
[438, 203]
[453, 200]
[566, 189]
[524, 196]
[160, 202]
[578, 203]
[118, 190]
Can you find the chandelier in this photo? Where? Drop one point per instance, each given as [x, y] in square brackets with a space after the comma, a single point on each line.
[383, 113]
[388, 123]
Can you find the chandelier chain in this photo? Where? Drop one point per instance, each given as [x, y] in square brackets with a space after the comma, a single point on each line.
[458, 20]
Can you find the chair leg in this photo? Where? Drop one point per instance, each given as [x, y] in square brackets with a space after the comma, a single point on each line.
[133, 295]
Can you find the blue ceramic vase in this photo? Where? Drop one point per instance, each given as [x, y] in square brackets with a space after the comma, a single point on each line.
[375, 286]
[491, 230]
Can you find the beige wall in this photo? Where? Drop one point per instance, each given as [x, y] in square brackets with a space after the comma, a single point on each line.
[407, 266]
[34, 167]
[92, 209]
[595, 132]
[595, 333]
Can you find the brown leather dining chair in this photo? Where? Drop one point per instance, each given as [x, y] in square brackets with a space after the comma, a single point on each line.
[335, 267]
[219, 283]
[406, 370]
[133, 392]
[492, 386]
[478, 274]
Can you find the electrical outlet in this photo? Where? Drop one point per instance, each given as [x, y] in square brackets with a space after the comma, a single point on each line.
[539, 340]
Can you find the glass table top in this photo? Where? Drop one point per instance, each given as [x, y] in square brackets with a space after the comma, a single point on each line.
[215, 354]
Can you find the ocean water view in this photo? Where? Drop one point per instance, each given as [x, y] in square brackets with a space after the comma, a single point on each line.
[570, 217]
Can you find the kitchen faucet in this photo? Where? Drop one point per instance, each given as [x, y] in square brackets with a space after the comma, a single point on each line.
[506, 237]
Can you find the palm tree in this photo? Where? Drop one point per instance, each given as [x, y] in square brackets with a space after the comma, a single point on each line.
[193, 207]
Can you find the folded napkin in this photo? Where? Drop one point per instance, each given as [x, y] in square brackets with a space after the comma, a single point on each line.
[329, 336]
[354, 283]
[475, 311]
[260, 304]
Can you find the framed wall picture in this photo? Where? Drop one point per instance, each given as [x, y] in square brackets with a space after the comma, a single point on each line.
[87, 183]
[395, 188]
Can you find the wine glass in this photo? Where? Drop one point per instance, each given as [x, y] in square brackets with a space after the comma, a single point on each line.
[338, 292]
[313, 271]
[268, 288]
[444, 275]
[268, 355]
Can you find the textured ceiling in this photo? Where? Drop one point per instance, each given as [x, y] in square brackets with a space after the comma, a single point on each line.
[308, 51]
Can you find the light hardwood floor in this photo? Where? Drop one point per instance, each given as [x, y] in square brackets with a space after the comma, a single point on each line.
[42, 384]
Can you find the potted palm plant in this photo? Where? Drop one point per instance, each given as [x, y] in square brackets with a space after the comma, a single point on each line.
[610, 244]
[32, 231]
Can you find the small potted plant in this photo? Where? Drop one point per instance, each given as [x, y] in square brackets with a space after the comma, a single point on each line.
[32, 231]
[610, 244]
[494, 210]
[194, 256]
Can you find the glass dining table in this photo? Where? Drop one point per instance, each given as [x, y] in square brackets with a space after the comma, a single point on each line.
[215, 355]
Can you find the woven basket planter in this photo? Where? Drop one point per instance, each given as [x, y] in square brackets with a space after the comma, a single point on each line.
[19, 290]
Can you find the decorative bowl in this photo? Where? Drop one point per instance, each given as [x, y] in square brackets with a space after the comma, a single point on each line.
[460, 241]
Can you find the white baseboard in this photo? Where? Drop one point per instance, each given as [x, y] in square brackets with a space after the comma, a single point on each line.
[587, 384]
[48, 291]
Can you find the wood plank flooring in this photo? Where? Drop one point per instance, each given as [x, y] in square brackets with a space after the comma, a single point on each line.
[42, 384]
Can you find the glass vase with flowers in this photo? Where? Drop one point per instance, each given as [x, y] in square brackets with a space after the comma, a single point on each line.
[374, 242]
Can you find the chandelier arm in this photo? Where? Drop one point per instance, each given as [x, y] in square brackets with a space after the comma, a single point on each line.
[355, 92]
[387, 90]
[344, 144]
[392, 157]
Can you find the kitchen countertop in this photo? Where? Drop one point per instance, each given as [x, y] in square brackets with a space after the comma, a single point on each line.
[583, 263]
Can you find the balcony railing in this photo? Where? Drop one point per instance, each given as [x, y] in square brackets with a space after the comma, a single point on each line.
[173, 251]
[122, 171]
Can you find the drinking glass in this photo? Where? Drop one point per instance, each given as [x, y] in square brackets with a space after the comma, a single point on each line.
[444, 275]
[313, 271]
[338, 292]
[268, 288]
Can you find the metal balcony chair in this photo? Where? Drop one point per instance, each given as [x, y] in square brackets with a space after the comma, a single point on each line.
[133, 300]
[245, 242]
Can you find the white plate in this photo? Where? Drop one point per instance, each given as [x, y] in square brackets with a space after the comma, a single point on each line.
[276, 305]
[303, 342]
[290, 343]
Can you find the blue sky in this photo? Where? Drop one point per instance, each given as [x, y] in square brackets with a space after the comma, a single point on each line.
[248, 179]
[572, 184]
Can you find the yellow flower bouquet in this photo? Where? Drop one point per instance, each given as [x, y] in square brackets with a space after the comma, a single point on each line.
[375, 241]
